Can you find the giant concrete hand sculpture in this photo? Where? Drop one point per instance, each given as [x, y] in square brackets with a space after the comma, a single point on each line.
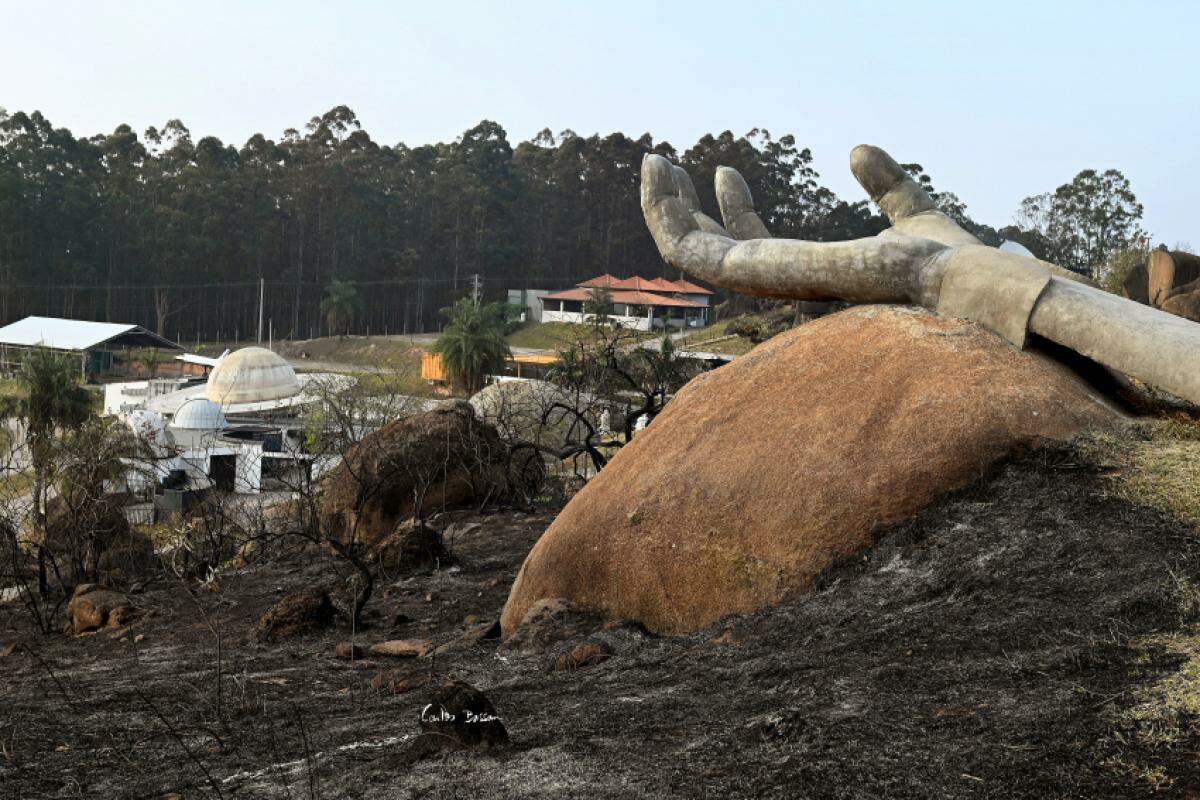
[925, 258]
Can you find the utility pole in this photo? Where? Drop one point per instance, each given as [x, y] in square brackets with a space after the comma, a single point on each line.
[261, 287]
[476, 288]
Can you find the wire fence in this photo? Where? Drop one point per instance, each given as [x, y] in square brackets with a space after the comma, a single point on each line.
[198, 312]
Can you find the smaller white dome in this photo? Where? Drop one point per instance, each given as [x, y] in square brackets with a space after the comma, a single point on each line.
[1010, 246]
[199, 414]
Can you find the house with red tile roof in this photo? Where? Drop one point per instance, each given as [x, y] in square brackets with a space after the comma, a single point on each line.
[641, 303]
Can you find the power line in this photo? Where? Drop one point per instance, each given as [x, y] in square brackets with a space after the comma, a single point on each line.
[79, 287]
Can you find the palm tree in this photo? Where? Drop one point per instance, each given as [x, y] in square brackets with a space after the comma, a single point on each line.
[340, 305]
[152, 360]
[599, 306]
[472, 345]
[52, 403]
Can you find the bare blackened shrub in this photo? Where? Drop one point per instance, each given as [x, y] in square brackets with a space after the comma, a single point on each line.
[86, 529]
[608, 382]
[81, 533]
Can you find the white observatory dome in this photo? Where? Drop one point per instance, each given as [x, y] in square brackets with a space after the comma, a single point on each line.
[199, 414]
[251, 375]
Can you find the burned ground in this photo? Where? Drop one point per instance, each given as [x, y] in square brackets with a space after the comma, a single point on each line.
[1032, 636]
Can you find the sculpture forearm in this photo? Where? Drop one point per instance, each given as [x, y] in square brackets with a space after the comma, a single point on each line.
[1151, 345]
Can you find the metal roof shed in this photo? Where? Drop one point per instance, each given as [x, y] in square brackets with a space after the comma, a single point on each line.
[75, 336]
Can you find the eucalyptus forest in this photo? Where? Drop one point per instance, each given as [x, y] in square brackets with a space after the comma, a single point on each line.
[176, 232]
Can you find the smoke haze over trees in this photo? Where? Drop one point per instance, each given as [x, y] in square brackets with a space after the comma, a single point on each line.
[175, 232]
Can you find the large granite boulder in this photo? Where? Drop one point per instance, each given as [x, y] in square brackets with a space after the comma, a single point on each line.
[420, 463]
[1167, 270]
[760, 474]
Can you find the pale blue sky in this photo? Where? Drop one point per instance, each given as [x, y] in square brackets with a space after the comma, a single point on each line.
[998, 100]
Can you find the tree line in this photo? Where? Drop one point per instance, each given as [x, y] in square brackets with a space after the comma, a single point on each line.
[176, 233]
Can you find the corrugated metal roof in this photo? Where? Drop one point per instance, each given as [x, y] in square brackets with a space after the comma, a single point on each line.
[204, 361]
[77, 334]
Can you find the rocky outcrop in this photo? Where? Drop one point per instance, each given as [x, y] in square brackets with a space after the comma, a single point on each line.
[760, 474]
[1166, 270]
[1186, 305]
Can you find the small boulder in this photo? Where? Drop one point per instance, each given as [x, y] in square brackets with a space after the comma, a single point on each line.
[731, 636]
[93, 607]
[411, 545]
[397, 684]
[295, 614]
[526, 411]
[482, 632]
[348, 651]
[99, 522]
[403, 648]
[456, 533]
[584, 655]
[129, 554]
[547, 622]
[460, 713]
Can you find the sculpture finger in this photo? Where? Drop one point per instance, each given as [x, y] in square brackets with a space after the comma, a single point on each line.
[884, 268]
[910, 209]
[888, 184]
[737, 206]
[685, 190]
[680, 239]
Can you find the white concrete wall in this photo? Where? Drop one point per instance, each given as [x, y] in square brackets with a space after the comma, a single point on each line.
[576, 317]
[531, 299]
[128, 395]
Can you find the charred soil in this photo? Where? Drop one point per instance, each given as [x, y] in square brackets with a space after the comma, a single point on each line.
[1031, 636]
